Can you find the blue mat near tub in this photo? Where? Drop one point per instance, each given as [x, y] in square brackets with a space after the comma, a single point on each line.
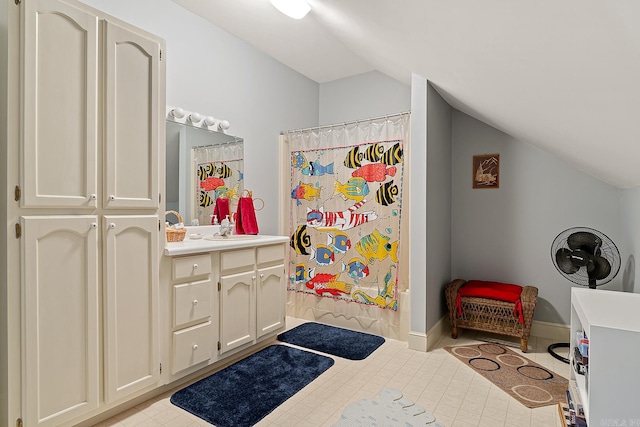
[338, 342]
[247, 391]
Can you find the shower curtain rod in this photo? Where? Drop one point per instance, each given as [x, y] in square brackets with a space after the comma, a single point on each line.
[370, 119]
[219, 143]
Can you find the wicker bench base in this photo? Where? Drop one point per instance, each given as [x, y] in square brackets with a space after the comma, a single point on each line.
[487, 315]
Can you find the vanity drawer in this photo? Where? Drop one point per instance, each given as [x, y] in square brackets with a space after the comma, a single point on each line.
[242, 259]
[273, 254]
[192, 346]
[191, 302]
[191, 266]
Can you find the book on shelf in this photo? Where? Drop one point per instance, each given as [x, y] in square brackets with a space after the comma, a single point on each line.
[576, 398]
[571, 413]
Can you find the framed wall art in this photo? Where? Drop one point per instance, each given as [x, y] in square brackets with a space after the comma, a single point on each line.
[486, 171]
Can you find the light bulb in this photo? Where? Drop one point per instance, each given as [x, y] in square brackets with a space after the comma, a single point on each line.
[296, 9]
[195, 117]
[223, 125]
[178, 113]
[209, 121]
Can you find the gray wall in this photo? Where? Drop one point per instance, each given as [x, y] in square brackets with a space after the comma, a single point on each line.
[430, 204]
[438, 194]
[631, 225]
[418, 212]
[506, 234]
[217, 74]
[366, 95]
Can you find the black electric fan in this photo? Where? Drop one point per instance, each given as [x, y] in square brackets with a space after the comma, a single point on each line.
[586, 257]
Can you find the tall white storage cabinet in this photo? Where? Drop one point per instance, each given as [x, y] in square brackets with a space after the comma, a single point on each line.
[611, 321]
[87, 210]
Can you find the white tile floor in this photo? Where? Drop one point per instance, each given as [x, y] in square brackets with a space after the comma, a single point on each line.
[436, 380]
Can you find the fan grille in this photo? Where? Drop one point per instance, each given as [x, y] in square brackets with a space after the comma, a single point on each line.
[608, 250]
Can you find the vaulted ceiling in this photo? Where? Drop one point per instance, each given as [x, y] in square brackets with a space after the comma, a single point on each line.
[561, 75]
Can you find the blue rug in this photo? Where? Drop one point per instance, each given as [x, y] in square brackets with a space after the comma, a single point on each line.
[247, 391]
[331, 340]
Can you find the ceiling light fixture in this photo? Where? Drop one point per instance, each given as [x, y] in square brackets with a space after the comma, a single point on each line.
[296, 9]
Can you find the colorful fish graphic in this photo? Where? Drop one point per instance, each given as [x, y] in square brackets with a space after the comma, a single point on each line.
[339, 242]
[323, 255]
[302, 273]
[298, 160]
[354, 189]
[232, 193]
[205, 199]
[224, 171]
[353, 159]
[334, 288]
[316, 169]
[300, 240]
[202, 173]
[222, 192]
[374, 152]
[305, 191]
[321, 279]
[384, 294]
[205, 171]
[375, 246]
[386, 193]
[392, 156]
[240, 175]
[211, 183]
[356, 269]
[344, 220]
[374, 172]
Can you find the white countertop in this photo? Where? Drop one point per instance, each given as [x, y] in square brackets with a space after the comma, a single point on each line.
[201, 239]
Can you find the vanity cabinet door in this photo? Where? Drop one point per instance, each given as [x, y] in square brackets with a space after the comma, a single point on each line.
[237, 310]
[60, 358]
[130, 289]
[60, 104]
[270, 302]
[131, 119]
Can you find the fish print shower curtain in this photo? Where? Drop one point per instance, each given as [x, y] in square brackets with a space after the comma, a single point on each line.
[346, 210]
[218, 172]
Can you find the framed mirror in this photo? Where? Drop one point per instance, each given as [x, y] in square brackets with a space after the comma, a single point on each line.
[202, 166]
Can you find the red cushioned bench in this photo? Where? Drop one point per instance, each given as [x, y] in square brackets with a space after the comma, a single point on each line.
[496, 307]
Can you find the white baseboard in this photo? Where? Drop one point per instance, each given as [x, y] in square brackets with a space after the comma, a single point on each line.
[554, 331]
[425, 342]
[418, 341]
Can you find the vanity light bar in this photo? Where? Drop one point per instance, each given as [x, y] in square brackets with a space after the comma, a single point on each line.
[192, 118]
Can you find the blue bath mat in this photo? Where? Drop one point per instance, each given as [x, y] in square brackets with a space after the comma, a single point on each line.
[331, 340]
[247, 391]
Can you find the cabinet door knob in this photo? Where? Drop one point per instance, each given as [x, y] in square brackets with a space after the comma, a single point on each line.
[93, 196]
[262, 276]
[112, 225]
[195, 302]
[112, 197]
[94, 225]
[195, 266]
[195, 347]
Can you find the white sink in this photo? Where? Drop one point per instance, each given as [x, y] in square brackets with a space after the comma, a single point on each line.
[206, 230]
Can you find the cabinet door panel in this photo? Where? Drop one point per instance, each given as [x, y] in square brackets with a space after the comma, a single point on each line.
[131, 304]
[60, 101]
[270, 300]
[237, 310]
[131, 119]
[61, 329]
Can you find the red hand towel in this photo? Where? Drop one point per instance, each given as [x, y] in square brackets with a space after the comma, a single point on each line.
[221, 209]
[246, 222]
